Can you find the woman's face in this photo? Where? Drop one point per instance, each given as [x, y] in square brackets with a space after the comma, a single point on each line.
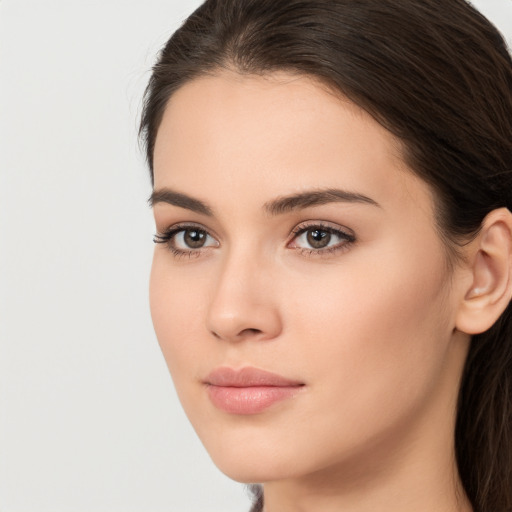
[300, 295]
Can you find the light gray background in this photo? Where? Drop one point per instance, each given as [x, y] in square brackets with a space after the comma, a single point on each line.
[89, 421]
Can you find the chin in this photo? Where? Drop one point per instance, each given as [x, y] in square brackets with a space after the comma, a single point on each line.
[257, 459]
[252, 460]
[247, 471]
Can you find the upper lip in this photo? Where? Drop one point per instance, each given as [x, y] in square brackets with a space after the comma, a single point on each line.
[247, 377]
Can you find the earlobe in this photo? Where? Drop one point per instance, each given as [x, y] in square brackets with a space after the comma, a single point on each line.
[490, 265]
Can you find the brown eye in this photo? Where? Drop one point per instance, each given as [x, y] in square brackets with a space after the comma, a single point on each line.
[317, 238]
[186, 239]
[321, 239]
[194, 238]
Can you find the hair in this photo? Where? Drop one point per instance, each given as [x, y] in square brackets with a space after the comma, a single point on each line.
[438, 76]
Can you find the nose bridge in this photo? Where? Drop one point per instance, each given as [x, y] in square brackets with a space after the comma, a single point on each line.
[242, 303]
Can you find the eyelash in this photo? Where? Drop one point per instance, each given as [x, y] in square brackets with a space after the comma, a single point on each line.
[347, 238]
[167, 237]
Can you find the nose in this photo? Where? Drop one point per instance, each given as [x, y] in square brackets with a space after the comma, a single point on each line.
[244, 304]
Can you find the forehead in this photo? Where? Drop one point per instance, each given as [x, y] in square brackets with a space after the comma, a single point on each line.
[259, 136]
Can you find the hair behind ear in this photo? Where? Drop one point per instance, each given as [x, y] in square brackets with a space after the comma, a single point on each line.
[484, 421]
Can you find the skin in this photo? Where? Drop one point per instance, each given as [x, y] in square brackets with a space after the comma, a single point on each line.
[369, 328]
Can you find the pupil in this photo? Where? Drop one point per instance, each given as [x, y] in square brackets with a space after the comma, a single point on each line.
[318, 239]
[194, 238]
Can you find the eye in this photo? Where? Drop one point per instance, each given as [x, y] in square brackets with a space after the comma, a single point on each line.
[192, 238]
[186, 240]
[320, 238]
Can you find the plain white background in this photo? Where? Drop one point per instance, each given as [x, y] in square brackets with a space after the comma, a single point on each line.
[89, 421]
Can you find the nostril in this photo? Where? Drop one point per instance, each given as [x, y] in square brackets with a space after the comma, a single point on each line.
[250, 331]
[230, 318]
[245, 333]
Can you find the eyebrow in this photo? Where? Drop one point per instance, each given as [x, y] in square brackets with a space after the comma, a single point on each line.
[277, 206]
[166, 195]
[311, 198]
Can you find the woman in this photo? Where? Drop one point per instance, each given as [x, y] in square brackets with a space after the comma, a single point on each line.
[332, 278]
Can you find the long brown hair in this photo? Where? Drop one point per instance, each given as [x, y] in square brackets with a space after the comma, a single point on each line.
[437, 75]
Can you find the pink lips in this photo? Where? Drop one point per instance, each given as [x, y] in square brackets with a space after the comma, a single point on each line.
[248, 390]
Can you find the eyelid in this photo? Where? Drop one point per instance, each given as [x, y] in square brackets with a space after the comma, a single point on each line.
[179, 226]
[347, 235]
[321, 224]
[167, 236]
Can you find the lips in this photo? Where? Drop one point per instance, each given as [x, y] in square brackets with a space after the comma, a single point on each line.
[248, 390]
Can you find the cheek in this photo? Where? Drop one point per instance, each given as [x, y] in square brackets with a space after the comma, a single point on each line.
[375, 335]
[175, 310]
[391, 307]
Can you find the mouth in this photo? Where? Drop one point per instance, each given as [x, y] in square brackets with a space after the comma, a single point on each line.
[248, 390]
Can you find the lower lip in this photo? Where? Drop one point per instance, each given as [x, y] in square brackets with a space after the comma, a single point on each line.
[249, 400]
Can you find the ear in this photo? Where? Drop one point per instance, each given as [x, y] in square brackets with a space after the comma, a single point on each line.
[490, 274]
